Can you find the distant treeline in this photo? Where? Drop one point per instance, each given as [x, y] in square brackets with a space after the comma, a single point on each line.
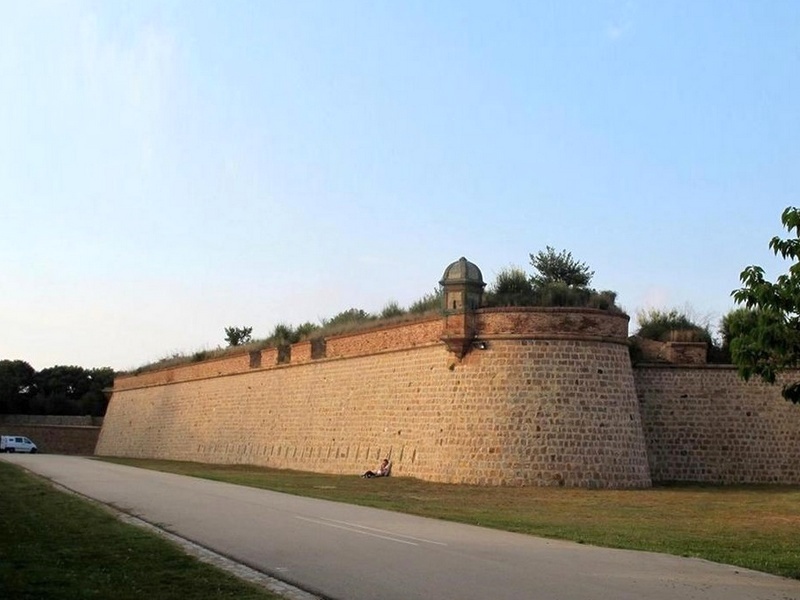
[59, 390]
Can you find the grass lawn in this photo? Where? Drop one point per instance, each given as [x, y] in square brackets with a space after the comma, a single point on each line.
[58, 546]
[757, 527]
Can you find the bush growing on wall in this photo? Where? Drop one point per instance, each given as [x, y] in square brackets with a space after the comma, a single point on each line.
[347, 320]
[429, 302]
[559, 280]
[671, 326]
[391, 310]
[512, 287]
[282, 334]
[305, 330]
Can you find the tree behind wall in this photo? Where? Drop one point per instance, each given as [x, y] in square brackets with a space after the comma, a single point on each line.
[16, 386]
[768, 341]
[59, 390]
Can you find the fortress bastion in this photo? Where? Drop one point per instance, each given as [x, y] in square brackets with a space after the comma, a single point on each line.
[512, 396]
[491, 396]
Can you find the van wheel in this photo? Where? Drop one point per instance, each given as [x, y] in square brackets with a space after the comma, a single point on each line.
[10, 450]
[33, 451]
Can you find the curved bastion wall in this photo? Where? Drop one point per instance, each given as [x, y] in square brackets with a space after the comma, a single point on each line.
[541, 397]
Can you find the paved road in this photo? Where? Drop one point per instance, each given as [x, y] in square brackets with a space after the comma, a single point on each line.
[345, 552]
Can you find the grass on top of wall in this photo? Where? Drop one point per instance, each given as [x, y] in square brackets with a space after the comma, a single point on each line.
[336, 329]
[756, 527]
[58, 546]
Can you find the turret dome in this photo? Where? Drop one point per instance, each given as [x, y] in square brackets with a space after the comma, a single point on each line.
[462, 271]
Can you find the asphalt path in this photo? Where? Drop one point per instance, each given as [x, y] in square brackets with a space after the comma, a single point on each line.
[344, 552]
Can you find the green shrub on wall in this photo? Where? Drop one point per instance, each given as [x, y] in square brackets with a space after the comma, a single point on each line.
[428, 303]
[512, 287]
[391, 310]
[558, 280]
[671, 326]
[559, 293]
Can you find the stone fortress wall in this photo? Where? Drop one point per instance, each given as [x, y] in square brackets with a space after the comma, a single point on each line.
[543, 397]
[704, 423]
[511, 396]
[538, 397]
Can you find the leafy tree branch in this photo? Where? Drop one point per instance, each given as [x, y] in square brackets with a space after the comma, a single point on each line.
[767, 342]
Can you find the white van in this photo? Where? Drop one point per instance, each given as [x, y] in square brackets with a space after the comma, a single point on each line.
[16, 443]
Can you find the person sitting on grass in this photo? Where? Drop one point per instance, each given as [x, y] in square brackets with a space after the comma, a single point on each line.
[382, 471]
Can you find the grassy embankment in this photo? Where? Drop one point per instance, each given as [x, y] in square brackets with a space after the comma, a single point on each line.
[756, 527]
[58, 546]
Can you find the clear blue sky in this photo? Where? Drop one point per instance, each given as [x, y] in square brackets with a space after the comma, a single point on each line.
[168, 169]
